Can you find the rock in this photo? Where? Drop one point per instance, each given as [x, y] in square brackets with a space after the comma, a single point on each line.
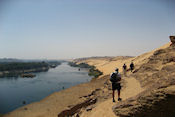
[157, 103]
[169, 59]
[77, 115]
[24, 102]
[160, 51]
[27, 75]
[169, 68]
[88, 108]
[172, 39]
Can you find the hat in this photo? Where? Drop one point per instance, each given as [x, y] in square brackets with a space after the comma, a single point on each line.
[116, 69]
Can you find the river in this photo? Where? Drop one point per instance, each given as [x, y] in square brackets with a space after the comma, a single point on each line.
[14, 91]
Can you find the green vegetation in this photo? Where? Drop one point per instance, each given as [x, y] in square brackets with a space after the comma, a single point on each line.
[95, 72]
[21, 66]
[81, 65]
[92, 69]
[54, 64]
[72, 64]
[14, 69]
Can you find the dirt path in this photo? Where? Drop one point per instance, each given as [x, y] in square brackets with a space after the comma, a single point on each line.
[104, 109]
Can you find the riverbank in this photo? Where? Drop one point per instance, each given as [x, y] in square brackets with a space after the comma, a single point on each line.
[67, 101]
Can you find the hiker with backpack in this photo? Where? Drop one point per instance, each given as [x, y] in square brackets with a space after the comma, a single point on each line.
[132, 66]
[124, 69]
[115, 78]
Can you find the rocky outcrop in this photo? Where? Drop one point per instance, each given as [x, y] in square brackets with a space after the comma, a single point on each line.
[157, 75]
[172, 39]
[157, 103]
[28, 75]
[76, 108]
[159, 67]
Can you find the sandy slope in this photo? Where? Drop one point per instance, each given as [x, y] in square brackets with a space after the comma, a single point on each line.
[104, 109]
[107, 65]
[133, 87]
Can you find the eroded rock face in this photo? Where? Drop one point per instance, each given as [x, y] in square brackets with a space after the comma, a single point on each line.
[157, 103]
[172, 39]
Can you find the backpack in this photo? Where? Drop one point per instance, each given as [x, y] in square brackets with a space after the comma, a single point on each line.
[124, 67]
[115, 77]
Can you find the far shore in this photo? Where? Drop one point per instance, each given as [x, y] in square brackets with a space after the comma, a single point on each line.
[17, 73]
[16, 69]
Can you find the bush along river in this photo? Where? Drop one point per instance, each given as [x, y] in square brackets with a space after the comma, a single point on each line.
[93, 71]
[16, 91]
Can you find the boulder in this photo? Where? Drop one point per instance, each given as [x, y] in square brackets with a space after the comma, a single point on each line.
[172, 39]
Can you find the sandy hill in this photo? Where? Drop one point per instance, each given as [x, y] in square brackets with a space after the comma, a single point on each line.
[108, 64]
[155, 96]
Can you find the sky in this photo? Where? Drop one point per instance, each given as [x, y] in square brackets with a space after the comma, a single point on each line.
[67, 29]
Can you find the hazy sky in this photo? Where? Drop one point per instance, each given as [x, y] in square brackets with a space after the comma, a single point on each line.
[58, 29]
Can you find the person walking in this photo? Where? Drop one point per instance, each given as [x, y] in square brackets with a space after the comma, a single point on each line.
[124, 69]
[115, 78]
[132, 66]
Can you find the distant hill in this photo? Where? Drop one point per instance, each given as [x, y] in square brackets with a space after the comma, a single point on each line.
[2, 60]
[99, 57]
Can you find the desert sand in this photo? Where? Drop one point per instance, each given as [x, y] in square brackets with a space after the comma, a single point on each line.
[94, 99]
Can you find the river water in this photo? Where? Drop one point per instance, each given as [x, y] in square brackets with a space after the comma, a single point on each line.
[14, 91]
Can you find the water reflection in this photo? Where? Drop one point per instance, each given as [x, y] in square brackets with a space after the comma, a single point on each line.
[14, 91]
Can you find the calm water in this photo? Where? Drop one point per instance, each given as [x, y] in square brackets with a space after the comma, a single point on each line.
[13, 91]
